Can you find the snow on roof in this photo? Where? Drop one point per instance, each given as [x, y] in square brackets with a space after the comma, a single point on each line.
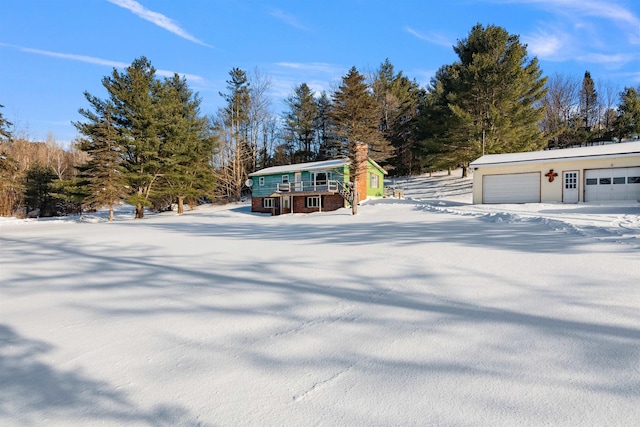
[606, 150]
[299, 167]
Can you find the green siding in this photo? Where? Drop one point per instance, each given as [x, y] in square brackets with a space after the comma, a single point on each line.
[341, 174]
[271, 181]
[379, 190]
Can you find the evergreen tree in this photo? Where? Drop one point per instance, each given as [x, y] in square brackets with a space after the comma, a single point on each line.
[398, 99]
[234, 159]
[187, 144]
[38, 190]
[104, 179]
[300, 123]
[435, 125]
[492, 97]
[355, 118]
[4, 126]
[628, 121]
[326, 141]
[134, 96]
[588, 102]
[164, 147]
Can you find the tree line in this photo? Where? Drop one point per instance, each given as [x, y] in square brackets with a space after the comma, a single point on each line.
[148, 144]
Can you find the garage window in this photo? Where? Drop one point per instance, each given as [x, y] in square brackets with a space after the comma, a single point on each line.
[634, 180]
[592, 181]
[605, 181]
[619, 180]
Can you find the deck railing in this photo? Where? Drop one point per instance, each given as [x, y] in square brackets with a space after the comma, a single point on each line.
[330, 186]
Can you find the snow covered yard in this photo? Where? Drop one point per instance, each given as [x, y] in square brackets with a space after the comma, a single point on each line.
[423, 311]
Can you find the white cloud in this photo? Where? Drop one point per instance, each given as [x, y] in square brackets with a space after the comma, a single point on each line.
[287, 18]
[624, 18]
[81, 58]
[99, 61]
[614, 60]
[431, 37]
[315, 67]
[156, 18]
[545, 45]
[319, 76]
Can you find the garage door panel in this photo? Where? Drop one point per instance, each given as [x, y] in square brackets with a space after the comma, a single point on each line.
[511, 188]
[612, 184]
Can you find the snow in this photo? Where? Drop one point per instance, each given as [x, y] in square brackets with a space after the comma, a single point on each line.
[623, 149]
[425, 310]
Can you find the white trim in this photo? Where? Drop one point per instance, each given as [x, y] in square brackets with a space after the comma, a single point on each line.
[300, 167]
[267, 203]
[304, 167]
[620, 150]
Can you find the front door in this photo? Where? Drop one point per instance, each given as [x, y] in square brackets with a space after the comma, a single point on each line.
[570, 187]
[297, 178]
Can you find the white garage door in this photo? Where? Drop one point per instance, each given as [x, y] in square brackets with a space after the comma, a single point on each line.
[511, 188]
[612, 184]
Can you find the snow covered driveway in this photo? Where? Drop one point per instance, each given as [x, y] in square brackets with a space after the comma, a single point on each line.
[406, 314]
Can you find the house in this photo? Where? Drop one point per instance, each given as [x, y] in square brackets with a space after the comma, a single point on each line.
[605, 172]
[313, 187]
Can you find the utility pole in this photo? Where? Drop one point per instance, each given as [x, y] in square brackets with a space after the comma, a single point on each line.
[483, 142]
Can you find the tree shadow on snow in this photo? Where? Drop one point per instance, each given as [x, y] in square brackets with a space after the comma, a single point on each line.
[32, 391]
[494, 232]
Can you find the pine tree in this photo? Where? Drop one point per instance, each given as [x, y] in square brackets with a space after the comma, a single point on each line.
[398, 99]
[103, 175]
[588, 102]
[38, 188]
[355, 118]
[164, 146]
[326, 141]
[489, 99]
[187, 144]
[234, 159]
[628, 120]
[4, 126]
[134, 96]
[300, 123]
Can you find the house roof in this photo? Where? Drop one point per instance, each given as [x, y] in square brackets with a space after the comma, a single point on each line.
[310, 166]
[622, 149]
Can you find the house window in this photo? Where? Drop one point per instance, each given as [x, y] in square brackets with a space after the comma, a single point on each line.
[313, 202]
[374, 180]
[320, 178]
[285, 179]
[267, 202]
[261, 181]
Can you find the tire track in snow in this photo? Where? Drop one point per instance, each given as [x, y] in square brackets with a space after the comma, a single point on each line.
[625, 229]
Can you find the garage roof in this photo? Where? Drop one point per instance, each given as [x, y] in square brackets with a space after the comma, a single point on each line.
[623, 149]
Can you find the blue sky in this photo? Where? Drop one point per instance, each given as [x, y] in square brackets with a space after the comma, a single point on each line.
[51, 51]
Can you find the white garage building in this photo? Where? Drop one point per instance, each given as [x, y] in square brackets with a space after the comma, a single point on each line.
[584, 174]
